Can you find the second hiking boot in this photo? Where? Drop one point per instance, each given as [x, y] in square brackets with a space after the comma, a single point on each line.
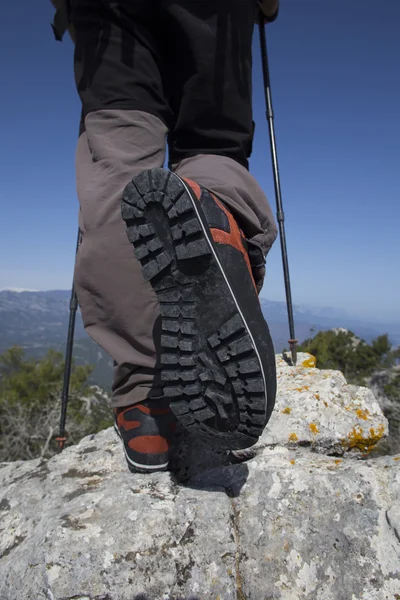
[216, 357]
[146, 429]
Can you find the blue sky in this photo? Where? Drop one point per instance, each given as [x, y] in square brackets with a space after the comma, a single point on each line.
[336, 93]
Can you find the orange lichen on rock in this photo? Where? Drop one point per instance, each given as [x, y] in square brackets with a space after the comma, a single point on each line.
[310, 362]
[317, 396]
[293, 437]
[362, 414]
[292, 461]
[338, 461]
[287, 410]
[313, 428]
[379, 433]
[357, 438]
[302, 389]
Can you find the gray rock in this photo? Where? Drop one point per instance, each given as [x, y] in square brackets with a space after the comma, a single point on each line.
[318, 408]
[289, 523]
[81, 525]
[319, 528]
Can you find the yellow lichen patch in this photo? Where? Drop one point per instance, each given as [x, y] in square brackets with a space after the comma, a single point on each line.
[396, 458]
[313, 428]
[302, 389]
[293, 437]
[318, 397]
[310, 362]
[357, 438]
[292, 462]
[379, 433]
[287, 410]
[362, 414]
[326, 404]
[338, 461]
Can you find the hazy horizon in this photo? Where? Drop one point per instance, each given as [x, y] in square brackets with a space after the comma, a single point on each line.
[390, 318]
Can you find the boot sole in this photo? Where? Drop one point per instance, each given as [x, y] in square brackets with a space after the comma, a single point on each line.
[210, 365]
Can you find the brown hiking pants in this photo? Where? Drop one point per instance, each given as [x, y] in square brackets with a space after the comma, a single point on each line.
[128, 111]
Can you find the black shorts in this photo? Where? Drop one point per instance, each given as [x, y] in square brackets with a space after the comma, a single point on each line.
[188, 62]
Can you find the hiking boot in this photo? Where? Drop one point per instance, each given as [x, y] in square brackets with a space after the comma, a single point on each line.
[146, 430]
[217, 359]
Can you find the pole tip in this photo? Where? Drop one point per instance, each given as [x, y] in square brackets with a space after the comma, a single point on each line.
[61, 439]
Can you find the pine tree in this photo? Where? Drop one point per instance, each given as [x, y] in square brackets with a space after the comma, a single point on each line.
[30, 400]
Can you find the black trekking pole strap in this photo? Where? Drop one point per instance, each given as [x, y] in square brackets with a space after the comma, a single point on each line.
[73, 307]
[278, 194]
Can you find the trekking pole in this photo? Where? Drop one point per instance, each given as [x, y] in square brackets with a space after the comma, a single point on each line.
[73, 307]
[278, 194]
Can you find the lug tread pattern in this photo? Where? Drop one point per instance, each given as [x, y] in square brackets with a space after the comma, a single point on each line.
[200, 393]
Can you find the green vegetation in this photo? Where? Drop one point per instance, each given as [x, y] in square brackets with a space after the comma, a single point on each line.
[392, 388]
[30, 392]
[30, 402]
[342, 350]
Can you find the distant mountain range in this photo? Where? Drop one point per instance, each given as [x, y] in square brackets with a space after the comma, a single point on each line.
[38, 321]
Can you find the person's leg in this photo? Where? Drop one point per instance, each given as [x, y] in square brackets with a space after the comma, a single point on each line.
[125, 119]
[122, 133]
[212, 137]
[241, 193]
[217, 358]
[207, 45]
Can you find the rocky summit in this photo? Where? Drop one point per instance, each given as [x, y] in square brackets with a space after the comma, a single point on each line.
[305, 514]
